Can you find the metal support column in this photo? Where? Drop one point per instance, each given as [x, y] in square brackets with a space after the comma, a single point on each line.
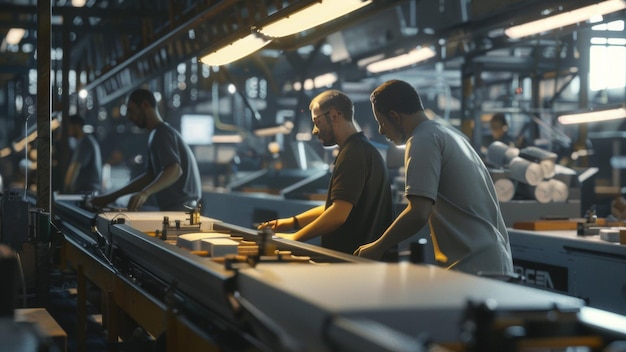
[44, 106]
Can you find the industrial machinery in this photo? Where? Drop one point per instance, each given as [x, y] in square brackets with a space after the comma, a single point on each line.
[195, 289]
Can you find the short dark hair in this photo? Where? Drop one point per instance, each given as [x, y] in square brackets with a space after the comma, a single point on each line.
[76, 120]
[334, 99]
[396, 95]
[138, 96]
[499, 117]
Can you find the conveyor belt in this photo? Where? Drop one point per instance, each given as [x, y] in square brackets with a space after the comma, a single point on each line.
[332, 302]
[199, 278]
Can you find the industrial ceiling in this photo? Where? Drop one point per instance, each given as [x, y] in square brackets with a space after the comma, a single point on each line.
[118, 45]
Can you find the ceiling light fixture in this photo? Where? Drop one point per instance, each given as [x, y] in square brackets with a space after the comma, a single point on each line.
[565, 19]
[319, 12]
[235, 51]
[412, 57]
[284, 128]
[226, 138]
[604, 114]
[15, 35]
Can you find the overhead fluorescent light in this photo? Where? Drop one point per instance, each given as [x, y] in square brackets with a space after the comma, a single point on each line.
[593, 116]
[324, 80]
[235, 51]
[368, 60]
[318, 13]
[4, 152]
[410, 58]
[284, 128]
[565, 19]
[21, 144]
[15, 35]
[226, 138]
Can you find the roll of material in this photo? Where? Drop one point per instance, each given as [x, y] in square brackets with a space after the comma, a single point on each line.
[505, 189]
[545, 158]
[526, 171]
[537, 154]
[542, 192]
[500, 154]
[547, 166]
[560, 191]
[566, 175]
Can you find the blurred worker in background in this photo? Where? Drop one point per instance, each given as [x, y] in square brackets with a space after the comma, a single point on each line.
[171, 175]
[446, 185]
[500, 130]
[84, 174]
[359, 201]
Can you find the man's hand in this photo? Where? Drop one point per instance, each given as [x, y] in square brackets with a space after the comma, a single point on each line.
[137, 200]
[101, 201]
[370, 251]
[277, 224]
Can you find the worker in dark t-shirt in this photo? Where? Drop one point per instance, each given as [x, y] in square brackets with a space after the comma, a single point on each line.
[172, 174]
[84, 174]
[359, 201]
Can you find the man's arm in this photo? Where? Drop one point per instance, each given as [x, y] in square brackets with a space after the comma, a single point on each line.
[410, 221]
[164, 179]
[328, 221]
[70, 177]
[135, 185]
[287, 224]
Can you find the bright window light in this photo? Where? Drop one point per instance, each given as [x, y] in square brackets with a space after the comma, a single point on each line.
[616, 41]
[197, 129]
[598, 41]
[565, 19]
[614, 26]
[607, 67]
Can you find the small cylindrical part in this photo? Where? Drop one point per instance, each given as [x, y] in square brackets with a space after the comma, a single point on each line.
[418, 251]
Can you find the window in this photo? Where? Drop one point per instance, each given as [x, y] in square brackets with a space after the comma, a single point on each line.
[607, 62]
[197, 129]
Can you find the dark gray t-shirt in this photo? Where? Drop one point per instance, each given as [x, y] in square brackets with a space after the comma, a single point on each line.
[87, 154]
[166, 147]
[359, 177]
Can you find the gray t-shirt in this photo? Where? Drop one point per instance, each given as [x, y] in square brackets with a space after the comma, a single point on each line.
[165, 147]
[466, 218]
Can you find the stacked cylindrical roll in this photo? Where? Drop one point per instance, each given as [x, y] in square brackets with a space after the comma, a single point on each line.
[500, 154]
[528, 173]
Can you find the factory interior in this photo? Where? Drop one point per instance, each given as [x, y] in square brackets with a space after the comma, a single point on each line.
[235, 78]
